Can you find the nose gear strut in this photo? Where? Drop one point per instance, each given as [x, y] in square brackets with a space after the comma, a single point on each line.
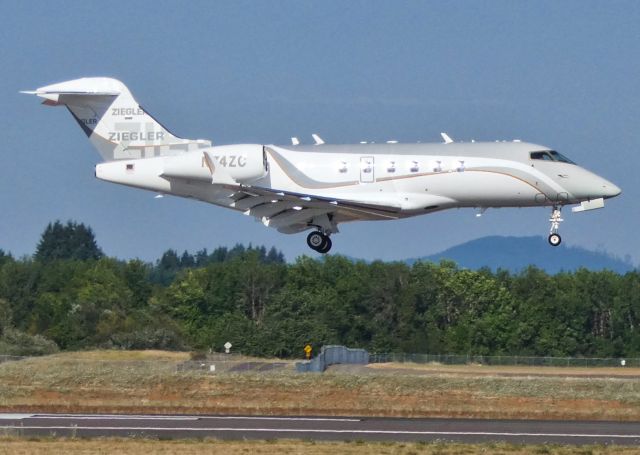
[556, 219]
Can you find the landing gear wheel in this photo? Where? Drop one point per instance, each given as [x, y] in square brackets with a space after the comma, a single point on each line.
[326, 246]
[555, 239]
[315, 240]
[319, 242]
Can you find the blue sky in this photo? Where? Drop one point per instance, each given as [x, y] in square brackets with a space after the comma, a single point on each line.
[563, 74]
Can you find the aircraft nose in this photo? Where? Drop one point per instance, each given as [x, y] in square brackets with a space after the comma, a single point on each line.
[585, 185]
[610, 190]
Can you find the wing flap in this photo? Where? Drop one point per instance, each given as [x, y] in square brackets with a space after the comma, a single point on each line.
[335, 204]
[290, 212]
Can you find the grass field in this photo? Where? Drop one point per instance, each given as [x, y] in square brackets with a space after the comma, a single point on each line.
[149, 381]
[511, 370]
[17, 446]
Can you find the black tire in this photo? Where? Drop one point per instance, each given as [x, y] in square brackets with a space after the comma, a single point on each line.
[324, 249]
[555, 239]
[316, 240]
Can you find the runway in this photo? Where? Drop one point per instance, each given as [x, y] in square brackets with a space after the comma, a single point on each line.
[322, 428]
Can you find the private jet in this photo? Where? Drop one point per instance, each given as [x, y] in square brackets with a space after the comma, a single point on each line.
[294, 188]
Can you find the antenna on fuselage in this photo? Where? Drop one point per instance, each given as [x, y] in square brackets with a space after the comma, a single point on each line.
[446, 138]
[318, 140]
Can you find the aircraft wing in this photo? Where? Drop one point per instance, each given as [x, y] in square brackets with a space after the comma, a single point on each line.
[290, 212]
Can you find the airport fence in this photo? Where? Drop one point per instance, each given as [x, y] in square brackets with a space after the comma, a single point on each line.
[147, 367]
[239, 364]
[454, 359]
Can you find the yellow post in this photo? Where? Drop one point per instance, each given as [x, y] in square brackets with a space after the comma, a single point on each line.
[307, 351]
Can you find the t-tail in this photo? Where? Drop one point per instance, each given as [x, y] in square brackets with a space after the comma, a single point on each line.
[114, 121]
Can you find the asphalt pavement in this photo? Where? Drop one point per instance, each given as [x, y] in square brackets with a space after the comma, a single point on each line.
[322, 428]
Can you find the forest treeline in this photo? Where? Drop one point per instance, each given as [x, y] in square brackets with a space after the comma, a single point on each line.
[69, 295]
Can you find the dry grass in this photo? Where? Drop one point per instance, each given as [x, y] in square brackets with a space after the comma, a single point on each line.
[515, 370]
[132, 382]
[16, 446]
[118, 355]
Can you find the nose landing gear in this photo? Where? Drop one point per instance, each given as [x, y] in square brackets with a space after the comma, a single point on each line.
[555, 239]
[319, 242]
[556, 219]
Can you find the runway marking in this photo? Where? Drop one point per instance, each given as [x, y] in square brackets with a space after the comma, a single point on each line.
[15, 416]
[114, 417]
[295, 419]
[156, 417]
[301, 430]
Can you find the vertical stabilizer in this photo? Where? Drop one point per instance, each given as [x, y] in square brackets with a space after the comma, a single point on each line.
[114, 121]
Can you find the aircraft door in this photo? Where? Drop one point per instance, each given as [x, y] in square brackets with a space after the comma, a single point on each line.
[367, 174]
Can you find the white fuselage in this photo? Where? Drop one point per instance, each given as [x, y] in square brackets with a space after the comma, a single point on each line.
[299, 187]
[414, 178]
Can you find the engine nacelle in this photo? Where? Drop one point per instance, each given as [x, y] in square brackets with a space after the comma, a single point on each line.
[244, 163]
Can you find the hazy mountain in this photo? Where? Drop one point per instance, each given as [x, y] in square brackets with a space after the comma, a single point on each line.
[516, 253]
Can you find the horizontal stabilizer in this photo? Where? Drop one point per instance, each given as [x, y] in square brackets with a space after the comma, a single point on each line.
[87, 86]
[63, 92]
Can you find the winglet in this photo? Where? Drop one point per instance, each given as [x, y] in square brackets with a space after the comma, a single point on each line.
[317, 139]
[446, 138]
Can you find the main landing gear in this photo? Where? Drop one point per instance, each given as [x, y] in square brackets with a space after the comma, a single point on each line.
[319, 242]
[556, 219]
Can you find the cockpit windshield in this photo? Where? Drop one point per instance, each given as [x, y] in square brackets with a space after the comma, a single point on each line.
[550, 155]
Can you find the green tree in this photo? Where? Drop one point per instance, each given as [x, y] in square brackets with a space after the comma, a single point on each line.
[5, 257]
[137, 277]
[6, 319]
[70, 241]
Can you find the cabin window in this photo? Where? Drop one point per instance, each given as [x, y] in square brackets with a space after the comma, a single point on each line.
[391, 167]
[414, 166]
[130, 167]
